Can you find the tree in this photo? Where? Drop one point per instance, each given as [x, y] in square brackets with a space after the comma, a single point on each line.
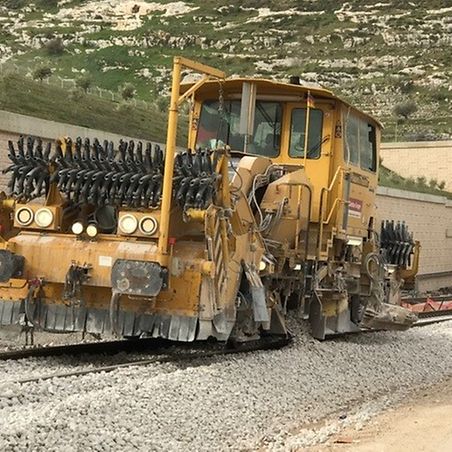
[54, 46]
[42, 73]
[47, 3]
[421, 180]
[433, 183]
[84, 83]
[14, 4]
[128, 91]
[163, 103]
[405, 109]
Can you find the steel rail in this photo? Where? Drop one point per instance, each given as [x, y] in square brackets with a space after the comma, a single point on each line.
[418, 300]
[428, 320]
[165, 357]
[99, 347]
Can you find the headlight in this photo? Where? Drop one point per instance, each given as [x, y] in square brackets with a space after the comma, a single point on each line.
[128, 224]
[44, 218]
[148, 225]
[91, 230]
[24, 216]
[77, 228]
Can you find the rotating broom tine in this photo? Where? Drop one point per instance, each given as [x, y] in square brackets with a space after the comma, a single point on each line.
[397, 243]
[96, 173]
[29, 170]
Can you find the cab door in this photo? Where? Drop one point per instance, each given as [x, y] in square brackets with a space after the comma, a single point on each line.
[361, 143]
[318, 123]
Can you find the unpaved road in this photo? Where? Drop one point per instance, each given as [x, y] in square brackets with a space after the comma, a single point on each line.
[423, 422]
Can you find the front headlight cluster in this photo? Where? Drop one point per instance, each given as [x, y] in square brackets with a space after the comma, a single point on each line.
[136, 224]
[42, 218]
[91, 230]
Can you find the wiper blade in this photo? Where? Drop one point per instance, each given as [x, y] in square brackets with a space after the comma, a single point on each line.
[313, 151]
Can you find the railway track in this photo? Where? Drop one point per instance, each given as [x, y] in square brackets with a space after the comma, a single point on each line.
[161, 354]
[431, 309]
[162, 351]
[92, 348]
[427, 318]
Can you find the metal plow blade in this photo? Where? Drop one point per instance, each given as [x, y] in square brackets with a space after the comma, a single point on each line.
[388, 317]
[66, 319]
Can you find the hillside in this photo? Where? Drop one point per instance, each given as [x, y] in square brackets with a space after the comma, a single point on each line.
[375, 53]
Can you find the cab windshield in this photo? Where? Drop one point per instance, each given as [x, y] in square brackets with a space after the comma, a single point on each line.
[218, 127]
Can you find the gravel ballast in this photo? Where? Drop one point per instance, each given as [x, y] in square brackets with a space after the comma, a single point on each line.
[262, 399]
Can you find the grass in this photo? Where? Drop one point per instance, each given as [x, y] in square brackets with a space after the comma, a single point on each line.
[388, 178]
[21, 95]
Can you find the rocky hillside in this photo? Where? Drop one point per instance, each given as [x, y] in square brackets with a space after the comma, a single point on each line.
[378, 54]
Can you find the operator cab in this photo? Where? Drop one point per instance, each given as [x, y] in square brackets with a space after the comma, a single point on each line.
[279, 120]
[296, 126]
[262, 117]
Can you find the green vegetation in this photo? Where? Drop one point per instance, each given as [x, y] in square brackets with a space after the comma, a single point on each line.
[22, 95]
[128, 91]
[42, 73]
[379, 57]
[405, 109]
[388, 178]
[84, 83]
[55, 47]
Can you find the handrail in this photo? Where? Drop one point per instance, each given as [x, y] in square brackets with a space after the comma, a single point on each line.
[337, 201]
[176, 99]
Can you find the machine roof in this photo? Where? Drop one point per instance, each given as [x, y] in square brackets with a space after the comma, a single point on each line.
[271, 87]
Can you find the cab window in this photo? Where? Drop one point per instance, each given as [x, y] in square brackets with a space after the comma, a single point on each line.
[218, 127]
[360, 143]
[298, 133]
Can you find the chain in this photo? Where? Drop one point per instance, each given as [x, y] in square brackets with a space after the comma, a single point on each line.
[220, 99]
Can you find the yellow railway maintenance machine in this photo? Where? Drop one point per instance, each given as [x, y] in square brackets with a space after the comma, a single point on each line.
[272, 207]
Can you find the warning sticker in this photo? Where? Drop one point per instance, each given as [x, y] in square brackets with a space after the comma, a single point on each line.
[355, 208]
[105, 261]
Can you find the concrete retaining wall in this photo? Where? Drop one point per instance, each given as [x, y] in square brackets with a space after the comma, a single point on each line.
[430, 219]
[429, 159]
[12, 125]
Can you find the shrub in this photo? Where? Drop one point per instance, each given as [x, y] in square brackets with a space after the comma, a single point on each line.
[47, 3]
[54, 46]
[421, 180]
[84, 83]
[42, 73]
[433, 183]
[75, 94]
[14, 4]
[405, 109]
[127, 91]
[124, 108]
[163, 103]
[406, 86]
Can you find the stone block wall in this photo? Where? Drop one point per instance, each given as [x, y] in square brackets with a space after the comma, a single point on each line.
[430, 219]
[429, 159]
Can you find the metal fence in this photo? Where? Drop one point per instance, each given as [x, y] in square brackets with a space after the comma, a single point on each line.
[67, 83]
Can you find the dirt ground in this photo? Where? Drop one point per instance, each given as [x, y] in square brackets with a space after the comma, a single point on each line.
[423, 423]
